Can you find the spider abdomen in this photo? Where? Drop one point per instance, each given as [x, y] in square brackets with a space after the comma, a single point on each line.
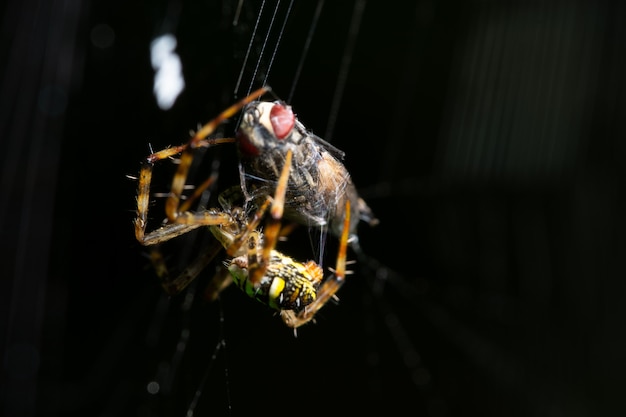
[286, 285]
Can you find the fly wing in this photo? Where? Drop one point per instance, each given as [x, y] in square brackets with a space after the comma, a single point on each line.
[333, 150]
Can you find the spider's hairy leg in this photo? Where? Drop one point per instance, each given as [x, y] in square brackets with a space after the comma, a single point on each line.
[198, 191]
[162, 234]
[187, 275]
[198, 140]
[208, 128]
[272, 228]
[143, 200]
[175, 150]
[251, 225]
[219, 282]
[330, 286]
[180, 220]
[253, 249]
[188, 222]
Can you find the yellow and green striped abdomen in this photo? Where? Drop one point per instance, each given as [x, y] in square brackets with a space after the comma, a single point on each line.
[286, 285]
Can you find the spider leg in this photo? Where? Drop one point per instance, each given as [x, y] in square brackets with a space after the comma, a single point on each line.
[170, 231]
[253, 261]
[219, 282]
[198, 140]
[180, 220]
[198, 191]
[186, 222]
[251, 226]
[272, 228]
[187, 275]
[330, 286]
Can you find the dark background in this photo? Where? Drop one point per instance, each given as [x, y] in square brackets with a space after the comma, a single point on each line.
[487, 136]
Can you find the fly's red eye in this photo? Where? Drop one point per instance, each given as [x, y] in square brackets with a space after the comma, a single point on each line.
[282, 119]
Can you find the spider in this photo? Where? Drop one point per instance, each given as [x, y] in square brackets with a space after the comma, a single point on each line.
[297, 290]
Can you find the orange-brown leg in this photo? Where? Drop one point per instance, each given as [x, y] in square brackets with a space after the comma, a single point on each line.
[273, 224]
[187, 275]
[188, 220]
[251, 226]
[180, 219]
[218, 283]
[330, 286]
[199, 140]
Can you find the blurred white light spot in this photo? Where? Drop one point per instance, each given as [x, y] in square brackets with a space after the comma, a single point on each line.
[102, 36]
[153, 387]
[168, 78]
